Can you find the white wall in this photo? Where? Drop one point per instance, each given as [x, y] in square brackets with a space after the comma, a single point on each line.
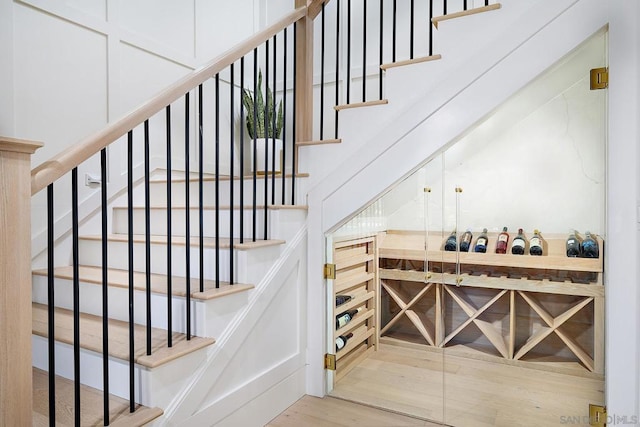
[549, 140]
[74, 66]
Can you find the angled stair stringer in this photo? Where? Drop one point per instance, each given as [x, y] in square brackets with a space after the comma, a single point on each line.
[461, 99]
[256, 370]
[486, 37]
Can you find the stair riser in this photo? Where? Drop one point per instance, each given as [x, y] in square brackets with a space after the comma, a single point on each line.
[158, 192]
[208, 317]
[91, 255]
[158, 221]
[153, 387]
[91, 303]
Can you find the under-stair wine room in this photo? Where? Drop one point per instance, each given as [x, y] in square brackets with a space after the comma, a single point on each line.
[456, 296]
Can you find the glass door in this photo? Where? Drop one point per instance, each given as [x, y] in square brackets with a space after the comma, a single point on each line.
[523, 341]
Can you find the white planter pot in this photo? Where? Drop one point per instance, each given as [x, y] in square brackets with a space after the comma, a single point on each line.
[260, 154]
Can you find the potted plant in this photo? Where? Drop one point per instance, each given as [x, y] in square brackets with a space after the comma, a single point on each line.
[264, 133]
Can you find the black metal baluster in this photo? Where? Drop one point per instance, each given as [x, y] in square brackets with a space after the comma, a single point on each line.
[76, 296]
[274, 122]
[444, 10]
[255, 143]
[132, 403]
[364, 52]
[464, 5]
[411, 29]
[337, 66]
[486, 2]
[266, 137]
[381, 48]
[169, 268]
[147, 222]
[242, 122]
[51, 341]
[105, 287]
[430, 27]
[217, 178]
[348, 51]
[231, 171]
[394, 31]
[293, 131]
[187, 222]
[200, 187]
[284, 116]
[322, 38]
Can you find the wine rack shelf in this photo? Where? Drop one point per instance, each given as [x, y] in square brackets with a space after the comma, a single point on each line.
[514, 307]
[356, 266]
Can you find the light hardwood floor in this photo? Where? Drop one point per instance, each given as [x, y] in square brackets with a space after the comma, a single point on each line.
[462, 391]
[330, 412]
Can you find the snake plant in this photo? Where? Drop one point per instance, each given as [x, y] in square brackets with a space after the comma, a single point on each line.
[257, 129]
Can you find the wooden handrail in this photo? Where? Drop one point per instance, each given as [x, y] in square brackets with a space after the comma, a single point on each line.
[49, 171]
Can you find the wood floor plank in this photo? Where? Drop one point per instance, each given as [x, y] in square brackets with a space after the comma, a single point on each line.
[91, 405]
[91, 337]
[332, 412]
[446, 386]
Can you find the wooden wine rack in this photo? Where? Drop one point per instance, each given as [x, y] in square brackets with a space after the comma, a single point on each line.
[516, 307]
[356, 267]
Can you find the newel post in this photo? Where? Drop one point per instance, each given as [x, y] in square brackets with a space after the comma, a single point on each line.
[16, 402]
[304, 75]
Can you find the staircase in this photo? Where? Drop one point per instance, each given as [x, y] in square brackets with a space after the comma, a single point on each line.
[246, 359]
[164, 373]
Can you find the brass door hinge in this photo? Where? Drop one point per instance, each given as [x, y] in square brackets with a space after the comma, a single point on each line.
[597, 415]
[330, 362]
[599, 78]
[330, 271]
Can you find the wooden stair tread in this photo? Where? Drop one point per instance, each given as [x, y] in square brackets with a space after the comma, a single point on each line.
[211, 178]
[437, 19]
[410, 61]
[225, 207]
[91, 337]
[209, 242]
[91, 402]
[361, 104]
[319, 142]
[120, 279]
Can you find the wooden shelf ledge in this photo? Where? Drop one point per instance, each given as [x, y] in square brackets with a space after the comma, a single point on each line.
[385, 67]
[527, 285]
[361, 104]
[437, 19]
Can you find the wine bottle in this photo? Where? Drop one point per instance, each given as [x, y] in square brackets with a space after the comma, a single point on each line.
[573, 245]
[341, 299]
[589, 247]
[465, 241]
[481, 243]
[503, 240]
[341, 341]
[535, 244]
[519, 243]
[344, 318]
[451, 243]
